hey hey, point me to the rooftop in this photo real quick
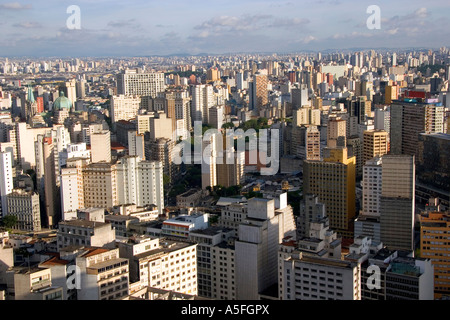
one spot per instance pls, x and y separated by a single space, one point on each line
83 223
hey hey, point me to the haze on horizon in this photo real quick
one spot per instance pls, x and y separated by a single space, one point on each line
141 28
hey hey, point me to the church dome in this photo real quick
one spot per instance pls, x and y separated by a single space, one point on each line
62 102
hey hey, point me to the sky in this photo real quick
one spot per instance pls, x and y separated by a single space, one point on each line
108 28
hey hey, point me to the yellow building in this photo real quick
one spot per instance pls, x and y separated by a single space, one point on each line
375 144
333 181
391 93
435 245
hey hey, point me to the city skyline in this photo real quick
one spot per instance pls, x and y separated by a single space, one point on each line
110 28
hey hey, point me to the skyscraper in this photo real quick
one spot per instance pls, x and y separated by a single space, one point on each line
333 181
6 180
409 117
397 202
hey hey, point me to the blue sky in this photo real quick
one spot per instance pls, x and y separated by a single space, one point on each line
135 28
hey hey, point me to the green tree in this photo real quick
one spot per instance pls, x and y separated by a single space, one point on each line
9 221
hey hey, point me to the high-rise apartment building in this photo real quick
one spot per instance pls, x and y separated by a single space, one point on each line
140 182
202 100
100 185
260 94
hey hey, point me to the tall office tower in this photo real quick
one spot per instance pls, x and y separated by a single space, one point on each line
209 160
104 275
240 81
140 182
256 255
306 115
50 189
372 187
397 202
101 146
69 89
100 185
202 100
434 244
25 206
333 181
216 117
375 144
72 184
81 89
391 93
136 144
359 107
382 118
408 119
336 132
215 249
368 222
310 210
300 97
132 82
124 107
260 94
161 127
433 168
6 180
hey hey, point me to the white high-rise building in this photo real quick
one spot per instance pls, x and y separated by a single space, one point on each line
134 82
124 107
216 117
140 182
72 187
202 99
6 180
372 184
256 253
136 146
101 146
209 161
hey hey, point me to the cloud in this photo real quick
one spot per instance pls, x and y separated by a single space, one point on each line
14 6
232 23
28 25
131 23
